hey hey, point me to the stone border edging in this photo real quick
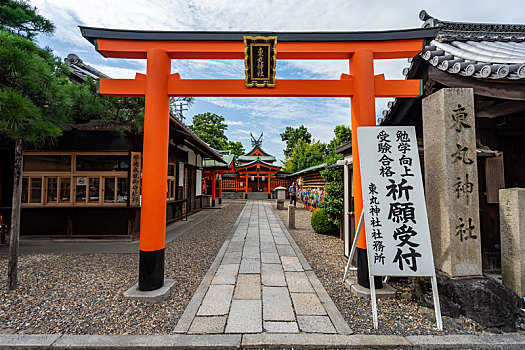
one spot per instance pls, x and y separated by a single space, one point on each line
184 323
263 340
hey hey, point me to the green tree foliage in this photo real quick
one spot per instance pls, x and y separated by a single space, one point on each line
21 18
211 129
34 100
236 148
333 198
292 136
34 91
37 100
342 135
304 155
92 111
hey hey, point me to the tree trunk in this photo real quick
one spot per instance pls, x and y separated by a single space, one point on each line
12 273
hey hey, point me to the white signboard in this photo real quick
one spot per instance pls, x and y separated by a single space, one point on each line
198 182
396 224
181 174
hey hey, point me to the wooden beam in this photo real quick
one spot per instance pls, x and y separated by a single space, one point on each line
236 88
397 88
501 109
235 49
505 90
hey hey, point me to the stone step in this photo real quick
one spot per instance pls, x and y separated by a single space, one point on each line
257 195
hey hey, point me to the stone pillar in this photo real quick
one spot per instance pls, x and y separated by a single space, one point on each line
451 181
512 237
291 216
280 193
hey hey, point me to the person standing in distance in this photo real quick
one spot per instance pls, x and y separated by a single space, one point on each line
292 192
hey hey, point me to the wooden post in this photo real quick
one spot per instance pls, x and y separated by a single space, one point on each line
220 186
213 188
269 185
12 270
246 188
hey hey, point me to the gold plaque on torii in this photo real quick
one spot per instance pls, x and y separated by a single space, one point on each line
259 59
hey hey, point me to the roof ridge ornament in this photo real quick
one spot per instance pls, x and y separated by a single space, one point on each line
486 28
256 142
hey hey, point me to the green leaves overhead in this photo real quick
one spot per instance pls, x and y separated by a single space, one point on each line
21 18
292 136
211 129
34 91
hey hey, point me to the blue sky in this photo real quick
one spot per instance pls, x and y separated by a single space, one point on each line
268 115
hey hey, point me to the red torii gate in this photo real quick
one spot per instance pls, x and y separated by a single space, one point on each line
159 48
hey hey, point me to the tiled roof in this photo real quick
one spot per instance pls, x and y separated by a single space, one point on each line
252 158
80 70
473 50
315 167
478 50
227 156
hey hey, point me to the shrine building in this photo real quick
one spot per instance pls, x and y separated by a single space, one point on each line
252 175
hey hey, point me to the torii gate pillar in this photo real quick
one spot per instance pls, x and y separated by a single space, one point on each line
155 171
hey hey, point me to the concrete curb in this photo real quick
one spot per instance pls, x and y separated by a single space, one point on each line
193 306
325 341
263 340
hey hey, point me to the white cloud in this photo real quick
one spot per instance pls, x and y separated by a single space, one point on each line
270 115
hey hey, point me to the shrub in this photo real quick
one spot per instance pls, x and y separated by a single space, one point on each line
322 224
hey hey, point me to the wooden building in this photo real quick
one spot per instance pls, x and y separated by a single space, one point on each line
490 59
310 186
88 183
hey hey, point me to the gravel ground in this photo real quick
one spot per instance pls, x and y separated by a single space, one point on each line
82 294
401 316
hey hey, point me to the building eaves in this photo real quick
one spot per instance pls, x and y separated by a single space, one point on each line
343 148
315 167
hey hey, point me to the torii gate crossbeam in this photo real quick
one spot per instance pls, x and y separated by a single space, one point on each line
159 48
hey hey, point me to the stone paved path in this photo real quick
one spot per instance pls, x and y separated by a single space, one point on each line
261 282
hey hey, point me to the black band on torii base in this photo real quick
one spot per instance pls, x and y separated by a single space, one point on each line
220 200
363 278
151 269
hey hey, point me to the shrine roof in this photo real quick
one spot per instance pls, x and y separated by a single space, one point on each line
80 71
92 34
252 158
257 148
489 56
478 50
258 161
227 156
